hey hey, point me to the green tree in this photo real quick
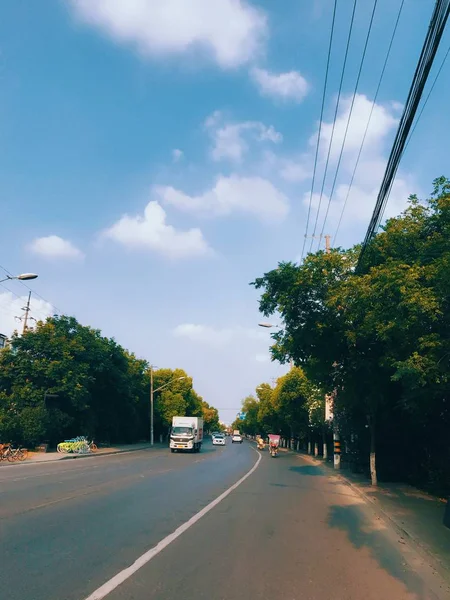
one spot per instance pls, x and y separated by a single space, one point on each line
379 336
210 417
64 379
268 418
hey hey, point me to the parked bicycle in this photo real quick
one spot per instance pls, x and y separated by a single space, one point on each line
77 445
7 452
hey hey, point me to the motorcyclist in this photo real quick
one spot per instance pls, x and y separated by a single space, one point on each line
260 443
273 444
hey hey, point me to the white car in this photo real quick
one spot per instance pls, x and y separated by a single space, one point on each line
236 439
219 440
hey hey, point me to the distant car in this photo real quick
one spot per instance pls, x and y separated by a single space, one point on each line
236 439
219 440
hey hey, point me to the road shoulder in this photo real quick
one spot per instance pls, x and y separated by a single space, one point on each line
414 515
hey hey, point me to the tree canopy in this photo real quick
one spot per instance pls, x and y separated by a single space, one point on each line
64 379
378 336
283 409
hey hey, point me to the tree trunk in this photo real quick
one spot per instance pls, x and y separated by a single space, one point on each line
373 463
324 444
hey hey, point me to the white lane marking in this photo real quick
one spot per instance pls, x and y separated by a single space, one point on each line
122 576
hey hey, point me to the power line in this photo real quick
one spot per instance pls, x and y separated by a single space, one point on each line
320 125
369 120
427 98
425 62
361 64
334 122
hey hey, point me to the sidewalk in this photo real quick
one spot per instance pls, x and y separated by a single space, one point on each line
416 514
53 456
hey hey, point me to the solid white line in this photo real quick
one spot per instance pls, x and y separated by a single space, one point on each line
118 579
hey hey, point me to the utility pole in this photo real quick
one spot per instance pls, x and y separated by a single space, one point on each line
336 435
152 394
26 316
151 405
27 310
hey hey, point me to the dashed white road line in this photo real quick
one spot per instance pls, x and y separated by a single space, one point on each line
122 576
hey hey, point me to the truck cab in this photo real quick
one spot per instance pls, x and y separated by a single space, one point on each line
186 434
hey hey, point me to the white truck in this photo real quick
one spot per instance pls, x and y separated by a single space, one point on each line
186 434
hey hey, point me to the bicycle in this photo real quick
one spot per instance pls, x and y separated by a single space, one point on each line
77 445
11 454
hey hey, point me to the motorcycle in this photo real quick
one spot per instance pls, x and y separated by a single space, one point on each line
274 442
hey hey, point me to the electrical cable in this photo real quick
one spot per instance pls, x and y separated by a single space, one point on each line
334 123
432 39
320 126
348 120
426 99
368 122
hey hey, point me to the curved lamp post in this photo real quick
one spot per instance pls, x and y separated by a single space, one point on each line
152 393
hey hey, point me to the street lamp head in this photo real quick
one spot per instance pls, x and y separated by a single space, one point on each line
22 277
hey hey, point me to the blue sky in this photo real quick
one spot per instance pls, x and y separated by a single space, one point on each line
155 157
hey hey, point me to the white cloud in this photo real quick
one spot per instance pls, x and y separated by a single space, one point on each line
212 336
233 194
54 246
151 232
290 86
232 31
369 174
360 203
177 155
295 170
11 307
231 140
397 106
382 123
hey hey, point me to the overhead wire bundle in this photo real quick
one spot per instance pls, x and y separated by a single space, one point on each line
361 64
375 98
320 125
425 62
334 124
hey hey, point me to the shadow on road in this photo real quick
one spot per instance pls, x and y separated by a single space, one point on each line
308 470
362 534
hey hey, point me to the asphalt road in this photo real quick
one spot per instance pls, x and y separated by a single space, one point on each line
288 531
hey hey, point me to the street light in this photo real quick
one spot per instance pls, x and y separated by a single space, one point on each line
152 393
21 277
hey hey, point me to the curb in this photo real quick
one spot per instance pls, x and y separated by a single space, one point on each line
75 456
386 516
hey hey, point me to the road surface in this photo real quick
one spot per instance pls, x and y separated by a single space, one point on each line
288 531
